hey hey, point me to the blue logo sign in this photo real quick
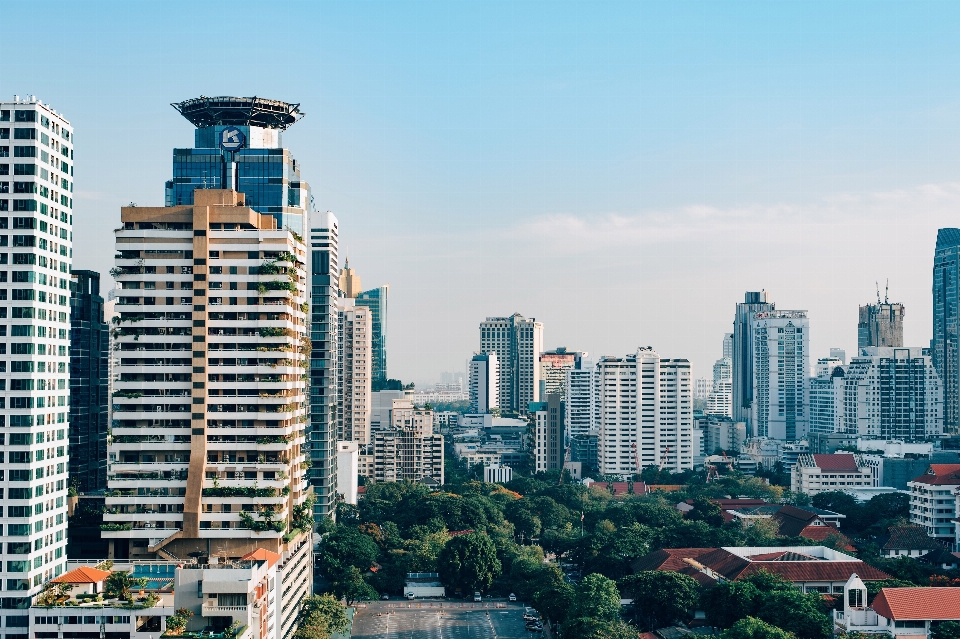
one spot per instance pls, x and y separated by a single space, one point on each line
231 139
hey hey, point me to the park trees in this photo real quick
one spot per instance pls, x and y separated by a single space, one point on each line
469 562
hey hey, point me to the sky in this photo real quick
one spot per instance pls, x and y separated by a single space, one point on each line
621 171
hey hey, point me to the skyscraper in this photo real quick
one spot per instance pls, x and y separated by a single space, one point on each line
945 346
580 392
548 433
743 353
89 355
376 300
484 383
553 370
719 401
880 324
238 145
728 346
349 282
36 154
781 386
324 322
210 407
353 373
518 342
408 449
644 413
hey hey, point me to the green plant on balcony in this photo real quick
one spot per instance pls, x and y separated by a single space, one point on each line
271 331
119 584
116 526
268 268
54 593
177 622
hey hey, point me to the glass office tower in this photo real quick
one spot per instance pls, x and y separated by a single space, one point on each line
376 300
945 345
238 145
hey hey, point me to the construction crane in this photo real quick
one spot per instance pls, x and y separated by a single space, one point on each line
636 456
663 457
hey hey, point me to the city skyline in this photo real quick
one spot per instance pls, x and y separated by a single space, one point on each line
790 175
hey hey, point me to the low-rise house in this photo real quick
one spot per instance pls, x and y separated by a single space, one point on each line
815 474
907 541
933 502
901 612
811 568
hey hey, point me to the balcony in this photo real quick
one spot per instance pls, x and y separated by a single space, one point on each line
211 609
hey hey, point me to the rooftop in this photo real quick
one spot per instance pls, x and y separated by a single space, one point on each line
226 110
915 604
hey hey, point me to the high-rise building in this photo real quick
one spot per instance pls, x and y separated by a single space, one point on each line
553 370
892 393
781 386
945 344
743 354
349 281
484 383
36 154
324 323
408 449
353 372
702 387
825 366
880 324
348 470
826 397
728 346
720 400
517 341
840 354
238 146
89 381
376 300
579 404
644 413
549 437
207 454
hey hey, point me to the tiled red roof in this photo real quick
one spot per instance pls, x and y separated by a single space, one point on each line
816 570
83 575
821 533
914 604
837 461
671 559
909 538
942 474
792 520
622 487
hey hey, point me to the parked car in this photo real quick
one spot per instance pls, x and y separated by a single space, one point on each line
410 595
511 597
535 627
385 597
476 596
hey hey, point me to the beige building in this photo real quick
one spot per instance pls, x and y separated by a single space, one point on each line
548 448
206 453
517 342
813 474
350 284
408 449
354 370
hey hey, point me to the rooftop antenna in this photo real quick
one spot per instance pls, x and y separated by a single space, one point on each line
886 293
878 293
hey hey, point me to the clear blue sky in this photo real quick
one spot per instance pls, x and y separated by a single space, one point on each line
622 171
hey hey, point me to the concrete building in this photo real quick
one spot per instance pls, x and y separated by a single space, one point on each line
348 470
554 366
933 504
349 282
826 365
880 325
549 438
583 450
720 399
382 403
826 398
945 344
497 474
743 354
36 238
897 612
702 387
376 300
644 413
354 372
484 382
408 449
210 407
892 393
839 353
580 398
815 474
518 342
728 346
324 386
89 381
781 387
721 433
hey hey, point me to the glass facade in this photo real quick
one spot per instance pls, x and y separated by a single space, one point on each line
267 174
376 300
945 346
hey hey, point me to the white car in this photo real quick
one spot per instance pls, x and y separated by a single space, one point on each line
410 595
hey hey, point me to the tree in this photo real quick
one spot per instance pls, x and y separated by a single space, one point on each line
344 547
555 601
320 617
753 628
796 612
727 603
348 584
660 598
469 562
119 584
596 597
177 622
706 511
586 628
945 630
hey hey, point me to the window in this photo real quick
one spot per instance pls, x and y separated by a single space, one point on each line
24 134
24 151
25 116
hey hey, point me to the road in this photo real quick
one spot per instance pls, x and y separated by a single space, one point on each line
440 619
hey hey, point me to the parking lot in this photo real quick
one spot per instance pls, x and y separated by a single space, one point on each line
440 619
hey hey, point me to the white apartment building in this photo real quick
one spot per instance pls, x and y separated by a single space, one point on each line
781 388
484 382
207 452
517 342
354 371
644 413
933 501
720 399
408 449
827 406
348 470
580 400
814 474
36 239
497 474
554 366
826 365
892 393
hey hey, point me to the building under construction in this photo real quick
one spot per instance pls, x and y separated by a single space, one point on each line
881 324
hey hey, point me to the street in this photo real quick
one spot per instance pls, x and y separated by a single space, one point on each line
440 619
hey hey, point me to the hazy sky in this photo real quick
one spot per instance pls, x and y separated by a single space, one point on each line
623 172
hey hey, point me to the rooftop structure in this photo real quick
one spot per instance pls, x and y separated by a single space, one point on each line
226 110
